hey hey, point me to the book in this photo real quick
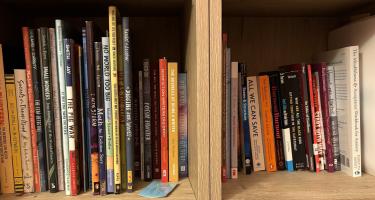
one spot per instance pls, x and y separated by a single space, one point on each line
163 84
30 95
267 123
155 123
182 126
48 117
60 34
136 120
24 129
56 110
113 37
346 65
141 125
240 136
234 121
225 106
228 113
128 85
107 114
14 133
147 120
39 123
92 105
256 136
333 117
173 121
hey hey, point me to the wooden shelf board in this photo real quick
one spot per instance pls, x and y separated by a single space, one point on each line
300 185
183 192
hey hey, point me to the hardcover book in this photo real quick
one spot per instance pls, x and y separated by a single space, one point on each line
234 120
182 125
163 83
147 120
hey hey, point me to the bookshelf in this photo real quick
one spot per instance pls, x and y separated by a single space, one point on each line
178 29
264 35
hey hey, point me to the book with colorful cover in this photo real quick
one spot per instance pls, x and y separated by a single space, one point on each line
182 125
163 83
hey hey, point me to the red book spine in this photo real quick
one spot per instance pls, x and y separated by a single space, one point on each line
163 82
73 172
318 126
312 109
325 113
30 95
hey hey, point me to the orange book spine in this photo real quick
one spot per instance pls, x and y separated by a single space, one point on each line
173 121
30 95
163 82
267 123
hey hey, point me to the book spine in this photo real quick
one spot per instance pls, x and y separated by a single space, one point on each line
87 183
234 120
128 85
48 109
224 107
163 83
240 150
114 93
318 123
30 95
155 123
182 125
267 125
141 124
287 143
107 114
325 114
256 136
69 59
60 34
92 105
136 119
100 117
14 133
173 121
228 113
276 116
56 110
37 88
245 125
147 120
333 117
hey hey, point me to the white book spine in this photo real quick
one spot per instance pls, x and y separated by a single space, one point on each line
234 121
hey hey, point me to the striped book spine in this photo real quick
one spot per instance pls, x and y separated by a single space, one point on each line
113 18
147 120
37 88
182 125
108 114
60 34
30 95
163 82
14 133
173 121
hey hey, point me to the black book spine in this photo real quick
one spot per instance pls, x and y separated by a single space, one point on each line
155 124
100 117
137 140
38 109
48 109
128 85
147 120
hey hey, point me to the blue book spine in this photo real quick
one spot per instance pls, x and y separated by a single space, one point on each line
246 130
182 126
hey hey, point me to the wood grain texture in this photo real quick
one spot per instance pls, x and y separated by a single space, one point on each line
266 43
182 192
300 185
216 76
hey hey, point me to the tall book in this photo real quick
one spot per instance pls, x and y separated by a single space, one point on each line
92 104
136 119
345 62
48 117
24 129
39 123
147 120
155 123
256 136
100 117
173 121
128 85
234 120
70 98
267 123
60 34
107 114
225 106
30 95
141 125
56 109
14 133
228 113
113 37
163 84
182 125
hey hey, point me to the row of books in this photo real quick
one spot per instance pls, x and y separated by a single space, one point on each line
81 117
302 116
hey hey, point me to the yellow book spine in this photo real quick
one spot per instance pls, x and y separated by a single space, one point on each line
14 133
113 15
6 168
173 120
